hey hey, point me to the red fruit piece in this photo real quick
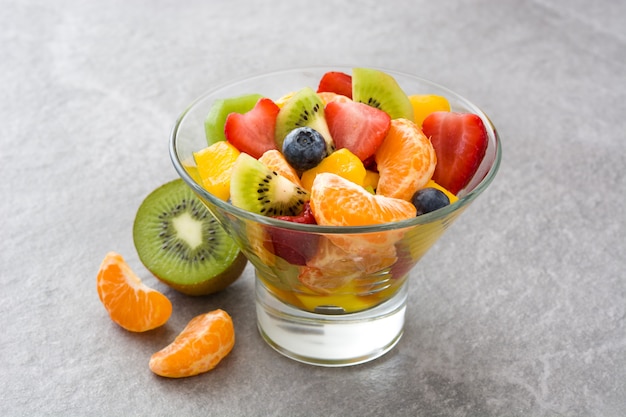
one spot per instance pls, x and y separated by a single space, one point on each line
336 82
294 246
460 142
253 132
357 126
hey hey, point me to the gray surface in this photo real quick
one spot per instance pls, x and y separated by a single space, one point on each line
518 311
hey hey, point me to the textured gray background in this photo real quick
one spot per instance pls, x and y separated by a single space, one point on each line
519 310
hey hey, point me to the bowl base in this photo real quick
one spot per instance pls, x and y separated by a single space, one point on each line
331 340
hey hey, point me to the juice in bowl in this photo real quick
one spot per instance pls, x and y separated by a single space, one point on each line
334 182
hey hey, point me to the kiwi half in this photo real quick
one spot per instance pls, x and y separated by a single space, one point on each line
221 108
256 188
182 244
379 89
303 109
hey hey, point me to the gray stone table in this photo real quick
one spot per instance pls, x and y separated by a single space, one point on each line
519 310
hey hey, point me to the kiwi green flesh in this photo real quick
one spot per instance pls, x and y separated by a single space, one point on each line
256 188
303 109
221 108
182 244
378 89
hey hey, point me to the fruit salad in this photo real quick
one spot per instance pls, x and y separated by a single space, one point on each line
355 150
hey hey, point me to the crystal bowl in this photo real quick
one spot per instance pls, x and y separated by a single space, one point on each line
331 296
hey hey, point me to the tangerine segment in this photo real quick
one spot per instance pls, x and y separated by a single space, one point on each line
130 303
274 160
336 201
327 97
202 344
406 160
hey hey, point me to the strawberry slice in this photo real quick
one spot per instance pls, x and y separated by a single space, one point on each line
336 82
294 246
460 142
357 126
253 132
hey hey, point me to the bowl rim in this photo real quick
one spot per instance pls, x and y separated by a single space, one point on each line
423 219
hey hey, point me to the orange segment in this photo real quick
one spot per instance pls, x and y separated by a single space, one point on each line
202 344
274 160
327 97
130 303
336 201
406 160
215 164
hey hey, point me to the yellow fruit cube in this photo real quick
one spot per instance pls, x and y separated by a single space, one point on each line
341 162
432 184
425 104
214 167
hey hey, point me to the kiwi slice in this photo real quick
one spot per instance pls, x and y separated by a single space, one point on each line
379 89
303 109
221 108
256 188
182 244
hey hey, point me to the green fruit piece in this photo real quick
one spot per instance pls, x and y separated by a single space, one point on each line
379 89
221 108
182 244
303 109
256 188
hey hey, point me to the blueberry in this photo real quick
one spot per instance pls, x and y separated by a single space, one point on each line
429 199
304 148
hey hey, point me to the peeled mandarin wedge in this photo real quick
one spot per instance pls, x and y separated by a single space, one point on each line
405 160
130 303
202 344
336 201
327 97
214 167
274 160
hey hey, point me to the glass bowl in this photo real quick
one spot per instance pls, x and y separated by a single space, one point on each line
330 296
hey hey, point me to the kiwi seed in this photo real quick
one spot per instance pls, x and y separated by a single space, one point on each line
256 188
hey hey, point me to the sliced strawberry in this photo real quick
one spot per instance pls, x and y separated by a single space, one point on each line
305 217
253 132
357 126
460 142
336 82
294 246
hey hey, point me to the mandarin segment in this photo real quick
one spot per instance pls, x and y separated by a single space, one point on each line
129 302
274 160
199 347
406 160
336 201
328 97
